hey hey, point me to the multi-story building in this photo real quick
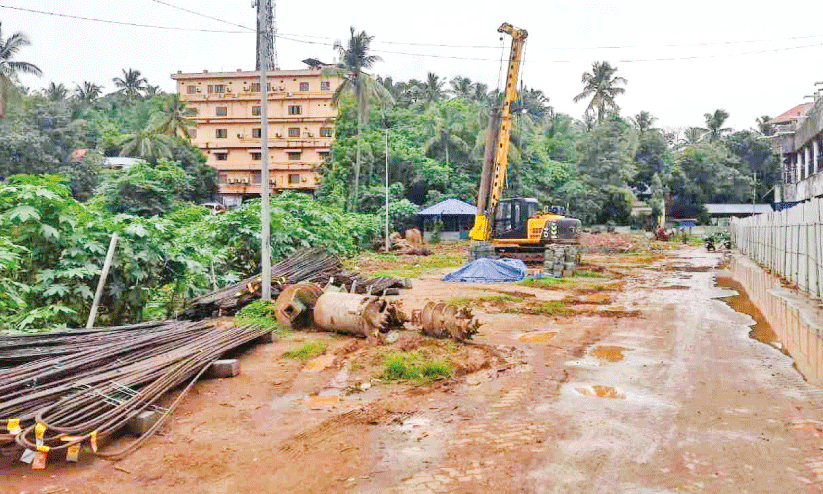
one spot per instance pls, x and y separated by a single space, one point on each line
226 108
798 140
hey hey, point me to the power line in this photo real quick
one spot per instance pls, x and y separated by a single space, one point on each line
203 15
288 37
121 23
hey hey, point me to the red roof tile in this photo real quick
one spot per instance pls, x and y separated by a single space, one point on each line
794 113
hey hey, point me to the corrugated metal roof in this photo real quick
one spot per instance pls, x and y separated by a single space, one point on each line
449 207
738 208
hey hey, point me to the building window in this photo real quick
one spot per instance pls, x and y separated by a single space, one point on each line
221 133
294 178
255 111
221 156
324 155
190 112
192 133
295 110
255 177
325 86
191 89
326 132
256 133
256 156
304 86
219 89
210 89
294 155
221 111
255 87
294 131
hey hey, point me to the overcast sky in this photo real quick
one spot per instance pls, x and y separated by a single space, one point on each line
714 66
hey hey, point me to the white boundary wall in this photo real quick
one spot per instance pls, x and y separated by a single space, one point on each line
789 243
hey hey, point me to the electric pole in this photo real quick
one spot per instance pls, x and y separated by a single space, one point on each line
266 33
263 58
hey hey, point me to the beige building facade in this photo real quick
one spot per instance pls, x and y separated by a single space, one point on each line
226 109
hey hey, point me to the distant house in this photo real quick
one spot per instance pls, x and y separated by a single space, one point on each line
721 214
119 163
457 218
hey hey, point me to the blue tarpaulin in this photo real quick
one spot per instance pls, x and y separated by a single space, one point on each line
489 270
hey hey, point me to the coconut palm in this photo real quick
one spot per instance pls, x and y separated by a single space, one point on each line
433 89
152 90
764 125
149 144
354 60
88 92
644 121
462 87
9 68
56 92
173 120
131 84
534 102
444 130
480 93
714 124
601 85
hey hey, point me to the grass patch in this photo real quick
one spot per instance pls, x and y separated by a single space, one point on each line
261 313
423 264
554 307
473 301
307 351
414 366
547 283
589 274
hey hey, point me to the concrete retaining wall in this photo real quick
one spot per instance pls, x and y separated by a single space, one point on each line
796 318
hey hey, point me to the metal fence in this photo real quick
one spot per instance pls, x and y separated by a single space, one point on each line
788 242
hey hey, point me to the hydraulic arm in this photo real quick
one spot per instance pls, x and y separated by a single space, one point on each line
494 176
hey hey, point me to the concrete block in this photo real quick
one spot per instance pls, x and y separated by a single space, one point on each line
266 338
224 368
142 422
567 273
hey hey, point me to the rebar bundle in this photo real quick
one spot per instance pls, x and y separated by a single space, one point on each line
314 265
82 386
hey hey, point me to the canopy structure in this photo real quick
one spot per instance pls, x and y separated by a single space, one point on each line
489 271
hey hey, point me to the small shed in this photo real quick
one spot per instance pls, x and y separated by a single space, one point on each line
457 218
721 214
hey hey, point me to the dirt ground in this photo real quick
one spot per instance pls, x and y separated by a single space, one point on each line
635 378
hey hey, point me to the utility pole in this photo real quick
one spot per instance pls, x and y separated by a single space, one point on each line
754 189
267 25
265 215
388 244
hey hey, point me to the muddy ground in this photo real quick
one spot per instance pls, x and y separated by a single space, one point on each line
634 378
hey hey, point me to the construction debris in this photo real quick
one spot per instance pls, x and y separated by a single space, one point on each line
294 305
440 320
66 388
306 265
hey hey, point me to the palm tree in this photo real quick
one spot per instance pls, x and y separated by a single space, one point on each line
693 135
354 59
174 121
56 92
444 130
462 87
534 102
644 121
88 92
764 125
152 90
9 68
433 89
481 93
131 84
149 144
601 85
714 124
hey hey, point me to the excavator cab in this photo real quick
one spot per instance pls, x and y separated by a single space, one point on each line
511 220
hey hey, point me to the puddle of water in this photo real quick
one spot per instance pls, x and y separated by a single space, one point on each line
538 337
761 331
608 353
319 364
599 391
321 401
